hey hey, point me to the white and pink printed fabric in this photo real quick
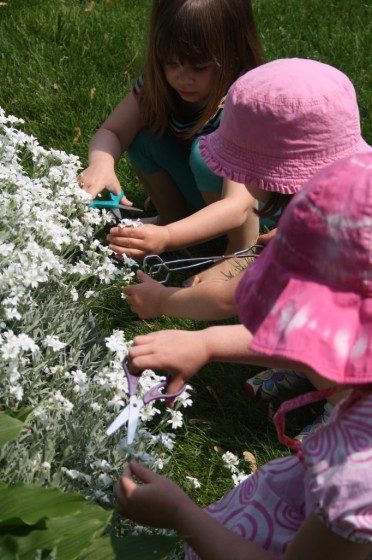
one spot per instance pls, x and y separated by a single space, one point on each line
331 475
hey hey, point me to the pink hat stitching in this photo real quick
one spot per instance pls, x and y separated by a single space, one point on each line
282 122
308 296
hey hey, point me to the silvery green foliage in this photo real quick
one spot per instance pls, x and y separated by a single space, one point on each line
53 355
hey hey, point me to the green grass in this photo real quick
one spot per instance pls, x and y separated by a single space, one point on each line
64 64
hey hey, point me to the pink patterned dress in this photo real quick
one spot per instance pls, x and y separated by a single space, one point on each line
331 475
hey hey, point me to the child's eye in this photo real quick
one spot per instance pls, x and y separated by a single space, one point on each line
202 68
171 64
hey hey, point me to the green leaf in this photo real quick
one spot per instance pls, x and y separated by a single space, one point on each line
67 523
69 535
21 414
10 428
29 504
142 547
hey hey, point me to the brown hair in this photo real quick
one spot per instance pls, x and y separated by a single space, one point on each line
196 31
274 206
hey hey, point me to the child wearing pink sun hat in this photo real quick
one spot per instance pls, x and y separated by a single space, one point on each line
313 308
282 122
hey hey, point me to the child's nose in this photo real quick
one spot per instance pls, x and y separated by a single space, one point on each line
185 76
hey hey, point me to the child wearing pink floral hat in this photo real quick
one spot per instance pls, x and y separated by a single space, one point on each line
283 121
317 316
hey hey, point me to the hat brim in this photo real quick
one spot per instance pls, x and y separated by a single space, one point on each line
293 317
285 175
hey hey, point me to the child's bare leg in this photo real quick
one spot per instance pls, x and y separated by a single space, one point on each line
165 195
238 239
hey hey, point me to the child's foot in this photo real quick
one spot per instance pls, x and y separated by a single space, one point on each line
319 421
222 270
271 383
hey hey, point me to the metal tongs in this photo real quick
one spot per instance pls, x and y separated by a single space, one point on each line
156 267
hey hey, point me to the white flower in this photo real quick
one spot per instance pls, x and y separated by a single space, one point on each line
14 344
105 480
95 407
148 412
194 481
74 294
176 419
126 222
16 391
53 342
185 399
79 377
101 465
116 343
101 496
159 463
77 475
89 293
239 477
167 440
231 461
65 404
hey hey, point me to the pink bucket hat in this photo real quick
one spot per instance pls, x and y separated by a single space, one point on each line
282 122
308 296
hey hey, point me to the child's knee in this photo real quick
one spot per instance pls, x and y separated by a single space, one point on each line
140 153
205 179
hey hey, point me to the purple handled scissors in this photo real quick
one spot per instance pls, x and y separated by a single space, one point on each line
131 412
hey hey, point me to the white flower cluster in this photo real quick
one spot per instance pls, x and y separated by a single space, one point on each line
55 362
231 462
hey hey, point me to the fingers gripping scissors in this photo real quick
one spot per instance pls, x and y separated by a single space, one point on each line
113 204
131 412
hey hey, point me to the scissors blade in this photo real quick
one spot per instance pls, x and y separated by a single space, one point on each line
134 413
129 208
119 421
116 213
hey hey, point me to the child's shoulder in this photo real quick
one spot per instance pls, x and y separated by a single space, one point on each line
347 436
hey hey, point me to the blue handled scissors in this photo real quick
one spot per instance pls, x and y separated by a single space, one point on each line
113 204
131 412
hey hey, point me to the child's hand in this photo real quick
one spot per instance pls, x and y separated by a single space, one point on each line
156 502
180 353
145 298
140 241
98 177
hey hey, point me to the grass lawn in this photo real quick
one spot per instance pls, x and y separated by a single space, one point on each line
64 64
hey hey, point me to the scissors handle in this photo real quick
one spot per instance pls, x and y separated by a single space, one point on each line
156 393
133 380
112 203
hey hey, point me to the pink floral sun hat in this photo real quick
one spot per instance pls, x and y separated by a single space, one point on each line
282 122
308 296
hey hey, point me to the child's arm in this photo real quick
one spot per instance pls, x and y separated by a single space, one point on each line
314 541
207 301
183 353
226 214
158 502
107 145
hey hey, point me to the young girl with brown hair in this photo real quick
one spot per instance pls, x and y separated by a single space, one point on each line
196 50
